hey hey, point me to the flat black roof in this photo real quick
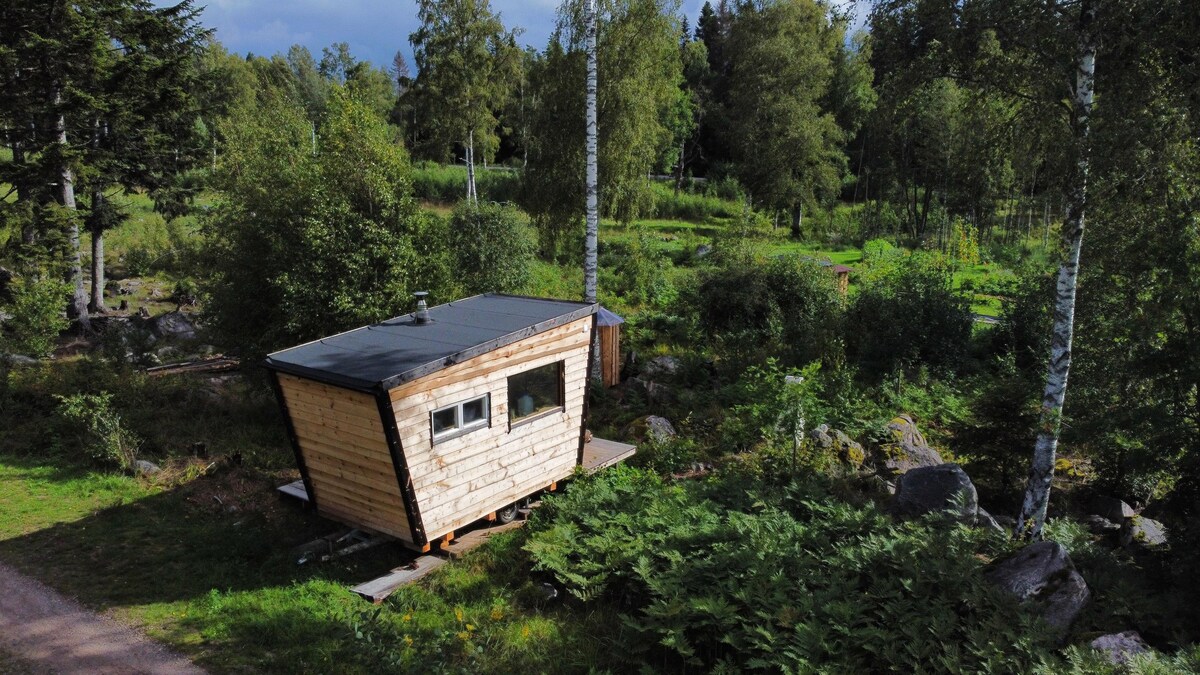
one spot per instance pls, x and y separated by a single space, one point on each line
384 355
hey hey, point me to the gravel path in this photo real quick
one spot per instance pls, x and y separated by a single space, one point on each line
48 633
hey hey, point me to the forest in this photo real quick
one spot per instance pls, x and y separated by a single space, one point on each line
850 262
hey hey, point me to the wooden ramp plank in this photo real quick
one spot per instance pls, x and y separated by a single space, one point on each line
376 590
599 453
459 546
294 489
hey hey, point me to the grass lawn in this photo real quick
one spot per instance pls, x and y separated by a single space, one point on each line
202 559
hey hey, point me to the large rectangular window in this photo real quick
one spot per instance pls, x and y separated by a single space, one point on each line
535 392
455 420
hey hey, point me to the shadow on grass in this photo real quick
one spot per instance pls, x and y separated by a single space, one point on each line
227 532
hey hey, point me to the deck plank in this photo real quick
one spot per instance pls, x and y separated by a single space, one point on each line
599 453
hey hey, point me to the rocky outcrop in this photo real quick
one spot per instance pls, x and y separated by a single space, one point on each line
935 489
173 324
838 444
660 367
1120 647
1111 508
1143 533
651 427
905 448
1043 575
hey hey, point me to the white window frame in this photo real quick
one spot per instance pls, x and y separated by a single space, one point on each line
458 429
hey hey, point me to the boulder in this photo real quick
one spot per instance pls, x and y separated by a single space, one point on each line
660 366
906 448
1100 525
173 324
1120 647
145 468
1042 574
835 442
18 360
651 427
984 520
703 250
1111 508
933 489
1143 533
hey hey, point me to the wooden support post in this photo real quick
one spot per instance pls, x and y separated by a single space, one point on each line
444 542
553 486
491 517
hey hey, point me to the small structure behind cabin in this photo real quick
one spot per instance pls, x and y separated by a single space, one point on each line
421 424
609 326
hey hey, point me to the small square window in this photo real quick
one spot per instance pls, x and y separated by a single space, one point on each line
456 420
445 421
474 412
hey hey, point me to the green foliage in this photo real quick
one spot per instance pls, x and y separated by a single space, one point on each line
444 184
37 316
718 578
774 407
640 270
303 245
492 248
102 434
880 251
685 205
786 306
908 313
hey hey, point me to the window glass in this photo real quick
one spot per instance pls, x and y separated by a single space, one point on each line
445 420
474 412
535 391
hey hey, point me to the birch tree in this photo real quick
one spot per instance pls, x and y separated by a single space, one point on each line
465 63
1041 470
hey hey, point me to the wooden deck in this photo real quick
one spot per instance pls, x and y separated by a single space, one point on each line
599 453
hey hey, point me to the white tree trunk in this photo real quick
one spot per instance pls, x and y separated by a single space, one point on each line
593 188
97 302
77 309
1041 470
472 196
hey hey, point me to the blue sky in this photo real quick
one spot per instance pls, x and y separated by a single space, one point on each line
375 29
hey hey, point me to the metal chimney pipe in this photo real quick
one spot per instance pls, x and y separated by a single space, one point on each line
422 310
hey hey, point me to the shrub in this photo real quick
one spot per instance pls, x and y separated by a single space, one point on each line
101 433
690 206
718 578
447 184
907 314
786 307
37 315
641 270
492 247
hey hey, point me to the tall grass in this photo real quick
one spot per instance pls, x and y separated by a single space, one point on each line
448 183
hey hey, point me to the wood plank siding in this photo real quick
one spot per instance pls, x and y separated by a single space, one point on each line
346 455
462 479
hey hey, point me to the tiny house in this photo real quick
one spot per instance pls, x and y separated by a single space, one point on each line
427 422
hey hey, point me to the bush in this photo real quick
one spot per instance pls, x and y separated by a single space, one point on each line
641 270
715 577
101 433
492 247
785 307
37 315
689 206
908 314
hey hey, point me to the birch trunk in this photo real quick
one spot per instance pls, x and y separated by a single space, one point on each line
96 304
77 309
1041 470
471 167
592 229
797 221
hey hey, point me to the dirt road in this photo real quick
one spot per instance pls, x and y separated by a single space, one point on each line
48 633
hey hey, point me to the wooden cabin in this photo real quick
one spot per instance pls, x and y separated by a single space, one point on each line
427 422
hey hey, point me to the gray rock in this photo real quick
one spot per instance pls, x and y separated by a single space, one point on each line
933 489
1143 533
145 468
703 250
906 448
1007 522
1120 647
1111 508
651 427
1042 574
173 324
1100 525
984 520
834 441
660 366
18 360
